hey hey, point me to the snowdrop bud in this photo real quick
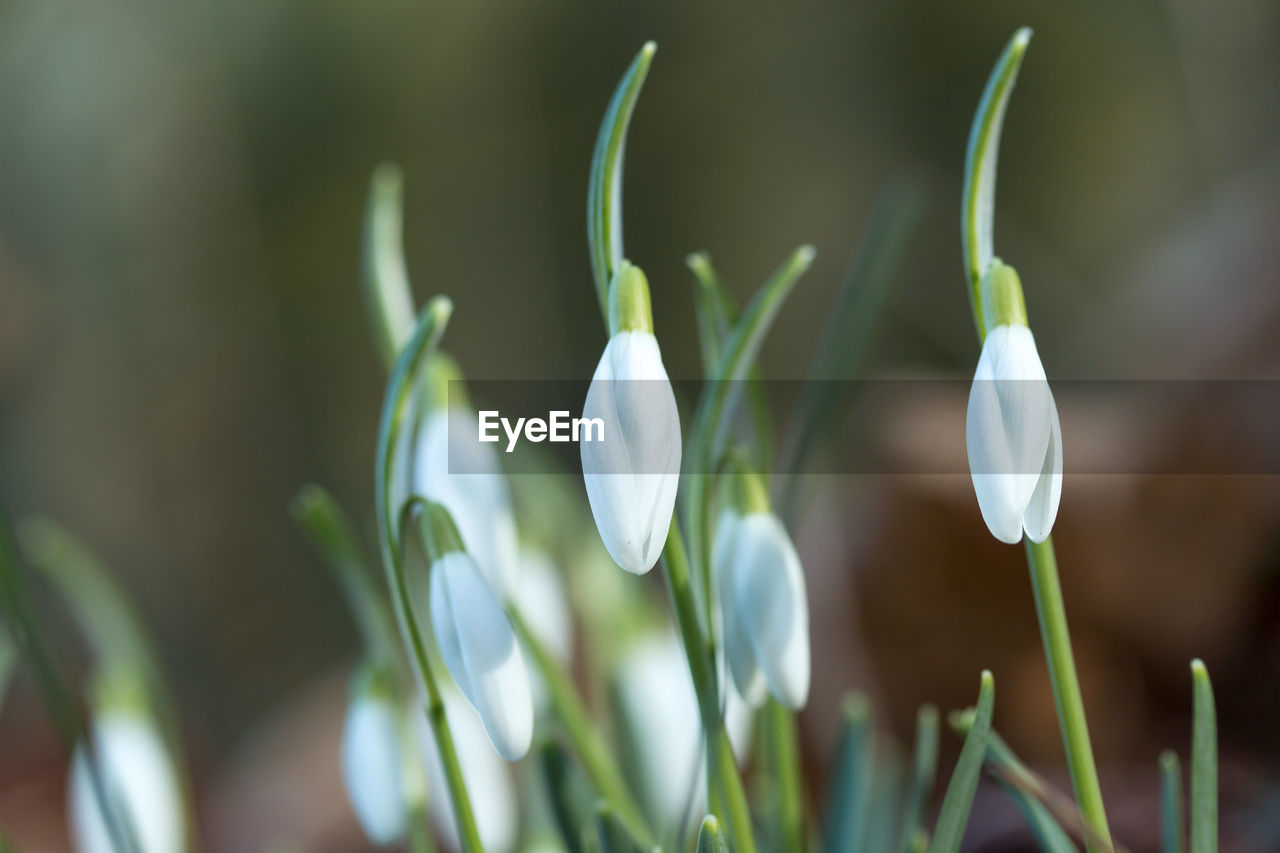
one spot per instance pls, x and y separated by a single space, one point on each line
632 475
468 481
1012 431
372 766
764 605
657 700
140 782
488 780
476 640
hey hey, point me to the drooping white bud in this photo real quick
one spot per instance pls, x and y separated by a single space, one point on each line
1013 437
632 475
372 760
660 709
486 775
480 651
140 783
764 605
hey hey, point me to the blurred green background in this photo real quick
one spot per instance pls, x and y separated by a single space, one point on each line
182 340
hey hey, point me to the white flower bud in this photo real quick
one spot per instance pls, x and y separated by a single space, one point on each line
480 650
486 775
1014 438
661 712
764 607
140 782
470 484
372 763
632 475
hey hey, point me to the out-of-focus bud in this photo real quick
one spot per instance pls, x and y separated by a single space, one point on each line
632 475
465 476
138 781
372 756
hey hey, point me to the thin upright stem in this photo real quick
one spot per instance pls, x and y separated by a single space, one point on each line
722 769
1066 692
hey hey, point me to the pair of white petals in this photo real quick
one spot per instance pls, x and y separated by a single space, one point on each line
139 779
373 768
632 475
1013 437
481 653
764 607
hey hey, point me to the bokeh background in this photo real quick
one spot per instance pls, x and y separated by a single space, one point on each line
182 340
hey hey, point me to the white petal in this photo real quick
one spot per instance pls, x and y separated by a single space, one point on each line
481 652
658 703
1042 511
486 775
372 770
465 477
1007 428
769 592
632 476
747 675
141 782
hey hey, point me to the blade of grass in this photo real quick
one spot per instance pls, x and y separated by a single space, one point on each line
333 537
843 347
958 801
924 769
615 836
978 205
782 768
711 837
566 791
845 818
604 188
1172 831
1204 762
388 298
718 401
716 315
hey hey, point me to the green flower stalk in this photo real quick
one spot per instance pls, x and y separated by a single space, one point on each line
1013 434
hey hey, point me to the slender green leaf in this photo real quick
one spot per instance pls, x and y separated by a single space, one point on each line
577 724
615 835
568 793
956 805
388 297
1204 763
782 768
924 768
711 837
62 710
333 537
849 798
1173 839
720 398
716 315
886 794
842 350
978 206
604 189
